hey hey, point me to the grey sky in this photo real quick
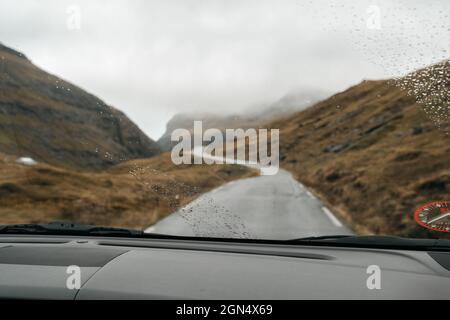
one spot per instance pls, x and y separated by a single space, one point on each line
152 59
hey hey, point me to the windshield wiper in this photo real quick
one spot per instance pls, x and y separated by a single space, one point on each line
65 228
376 242
328 237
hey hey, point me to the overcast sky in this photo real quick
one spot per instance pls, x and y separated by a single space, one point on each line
153 59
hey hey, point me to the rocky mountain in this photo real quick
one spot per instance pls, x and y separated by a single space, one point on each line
288 104
209 120
377 151
251 118
54 121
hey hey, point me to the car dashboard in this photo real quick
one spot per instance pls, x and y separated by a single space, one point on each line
38 267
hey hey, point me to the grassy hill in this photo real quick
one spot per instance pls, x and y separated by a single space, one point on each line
376 151
132 194
53 121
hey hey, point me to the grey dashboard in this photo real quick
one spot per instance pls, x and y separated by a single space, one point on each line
36 267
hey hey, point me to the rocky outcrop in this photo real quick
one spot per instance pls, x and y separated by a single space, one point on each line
54 121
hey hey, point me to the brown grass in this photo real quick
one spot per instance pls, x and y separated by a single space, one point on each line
372 154
133 194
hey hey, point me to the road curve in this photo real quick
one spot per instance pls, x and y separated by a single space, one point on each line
264 207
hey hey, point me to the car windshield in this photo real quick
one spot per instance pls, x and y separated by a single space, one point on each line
230 119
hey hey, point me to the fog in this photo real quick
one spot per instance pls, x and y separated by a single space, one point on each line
153 59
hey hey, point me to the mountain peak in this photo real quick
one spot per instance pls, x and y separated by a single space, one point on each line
11 51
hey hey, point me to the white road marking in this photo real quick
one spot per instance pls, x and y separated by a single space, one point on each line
310 195
150 230
295 189
331 216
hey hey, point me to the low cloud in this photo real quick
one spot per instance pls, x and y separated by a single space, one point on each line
153 59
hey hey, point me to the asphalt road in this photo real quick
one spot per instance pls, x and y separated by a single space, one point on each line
264 207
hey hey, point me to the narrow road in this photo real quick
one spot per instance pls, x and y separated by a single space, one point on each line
264 207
